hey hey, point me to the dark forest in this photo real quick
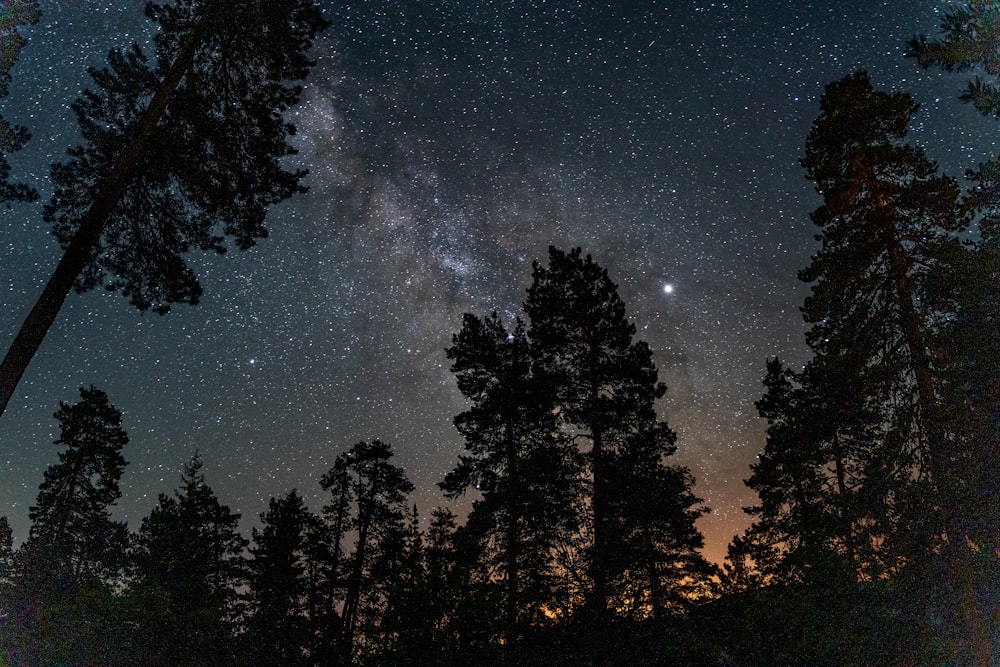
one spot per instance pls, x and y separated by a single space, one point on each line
876 536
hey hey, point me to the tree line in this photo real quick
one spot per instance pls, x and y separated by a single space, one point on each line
875 538
578 519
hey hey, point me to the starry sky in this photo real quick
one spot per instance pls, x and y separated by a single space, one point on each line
449 143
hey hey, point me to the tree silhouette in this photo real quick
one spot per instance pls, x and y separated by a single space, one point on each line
282 591
857 479
655 511
807 478
368 497
429 634
6 556
75 553
189 563
71 525
887 219
525 470
604 385
405 630
180 156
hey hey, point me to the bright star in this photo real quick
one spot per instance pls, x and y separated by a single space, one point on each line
668 289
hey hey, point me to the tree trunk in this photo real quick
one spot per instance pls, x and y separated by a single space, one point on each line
512 538
840 468
352 599
599 561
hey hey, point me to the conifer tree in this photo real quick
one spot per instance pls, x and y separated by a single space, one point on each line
604 385
887 219
406 629
856 437
6 556
369 498
6 585
743 571
656 510
60 593
179 156
526 472
188 566
807 478
857 479
71 525
445 576
417 625
282 584
337 516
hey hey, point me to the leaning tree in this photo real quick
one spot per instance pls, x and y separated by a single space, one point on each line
184 154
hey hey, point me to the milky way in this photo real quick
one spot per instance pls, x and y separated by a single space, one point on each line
449 143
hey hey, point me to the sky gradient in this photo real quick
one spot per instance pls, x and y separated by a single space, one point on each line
449 144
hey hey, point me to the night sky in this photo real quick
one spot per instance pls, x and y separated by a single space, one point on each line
449 143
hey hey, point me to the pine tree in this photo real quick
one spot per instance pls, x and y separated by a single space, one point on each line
188 567
604 385
526 473
656 511
886 220
7 574
743 571
71 525
806 479
60 594
6 557
283 595
406 629
856 481
368 497
337 518
180 156
443 585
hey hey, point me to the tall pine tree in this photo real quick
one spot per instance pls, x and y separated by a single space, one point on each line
282 581
604 386
178 156
526 472
857 479
71 525
189 565
809 479
368 497
64 575
887 219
